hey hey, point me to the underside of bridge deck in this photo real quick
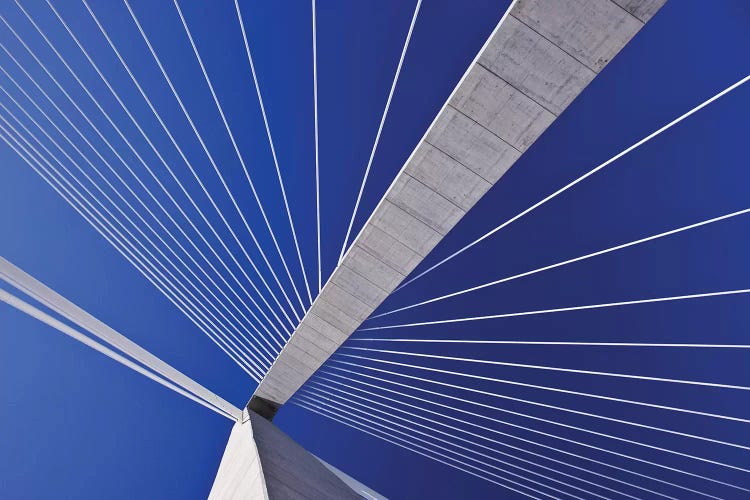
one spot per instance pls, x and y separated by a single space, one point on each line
540 57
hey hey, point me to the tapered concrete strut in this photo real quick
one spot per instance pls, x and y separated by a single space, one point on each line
538 60
261 462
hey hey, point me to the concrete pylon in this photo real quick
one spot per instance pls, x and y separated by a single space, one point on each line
261 462
541 56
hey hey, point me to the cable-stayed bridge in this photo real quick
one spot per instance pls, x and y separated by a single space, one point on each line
244 282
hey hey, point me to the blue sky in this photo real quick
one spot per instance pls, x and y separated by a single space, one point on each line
76 425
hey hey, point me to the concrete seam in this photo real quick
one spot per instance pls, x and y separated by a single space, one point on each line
643 23
428 187
363 249
432 124
518 90
556 45
418 252
343 264
485 128
457 161
416 216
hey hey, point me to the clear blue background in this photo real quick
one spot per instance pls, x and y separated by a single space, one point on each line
73 424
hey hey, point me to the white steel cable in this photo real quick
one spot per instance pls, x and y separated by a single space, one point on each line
313 397
577 412
184 158
380 128
579 179
127 253
529 429
558 369
317 158
244 167
135 176
65 136
400 408
278 173
565 309
185 113
226 410
92 196
37 290
575 259
146 137
581 429
372 431
96 102
555 343
332 416
493 420
318 392
627 401
135 260
339 408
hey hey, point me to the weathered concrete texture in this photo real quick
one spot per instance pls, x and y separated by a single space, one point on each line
576 27
261 462
536 63
642 9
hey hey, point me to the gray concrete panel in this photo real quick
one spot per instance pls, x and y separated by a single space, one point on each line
387 249
302 364
424 203
535 66
592 31
410 231
335 316
472 145
324 328
285 377
359 286
373 269
541 57
313 341
345 301
277 387
496 105
642 9
305 356
446 176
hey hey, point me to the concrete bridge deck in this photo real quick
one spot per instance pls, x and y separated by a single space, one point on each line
540 57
